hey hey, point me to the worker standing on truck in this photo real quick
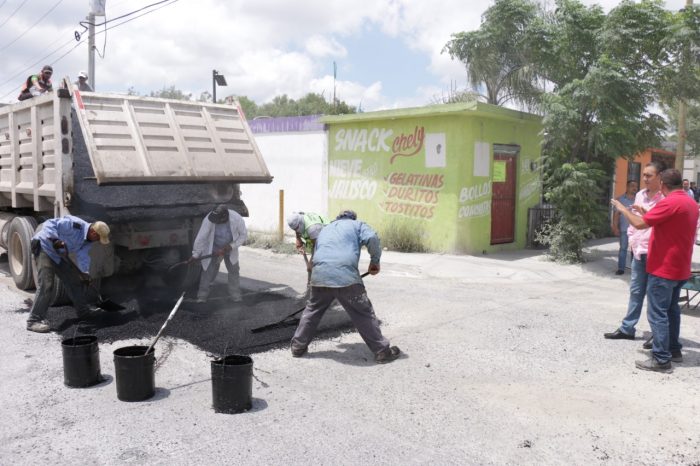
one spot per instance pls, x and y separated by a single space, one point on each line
335 276
82 83
51 246
37 84
222 232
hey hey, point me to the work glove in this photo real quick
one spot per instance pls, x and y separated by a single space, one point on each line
373 269
58 244
191 260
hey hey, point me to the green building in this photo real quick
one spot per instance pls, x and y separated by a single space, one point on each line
463 174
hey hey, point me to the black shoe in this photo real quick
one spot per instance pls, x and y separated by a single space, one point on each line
676 356
649 343
619 272
387 355
618 335
652 364
299 351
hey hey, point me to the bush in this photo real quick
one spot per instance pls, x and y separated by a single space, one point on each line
403 236
262 241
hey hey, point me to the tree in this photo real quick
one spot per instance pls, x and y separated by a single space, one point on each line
171 93
692 124
495 55
310 104
604 71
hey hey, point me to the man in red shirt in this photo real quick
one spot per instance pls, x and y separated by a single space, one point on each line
673 222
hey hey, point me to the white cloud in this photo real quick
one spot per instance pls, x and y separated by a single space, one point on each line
264 48
320 47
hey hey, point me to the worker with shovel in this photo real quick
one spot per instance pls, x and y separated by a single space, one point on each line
307 226
50 247
335 275
222 232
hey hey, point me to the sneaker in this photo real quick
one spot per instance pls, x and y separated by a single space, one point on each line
236 298
619 272
676 356
39 326
649 343
387 355
652 364
299 351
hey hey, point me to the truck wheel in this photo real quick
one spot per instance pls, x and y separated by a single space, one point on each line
19 251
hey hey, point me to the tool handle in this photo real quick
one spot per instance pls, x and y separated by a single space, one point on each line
165 324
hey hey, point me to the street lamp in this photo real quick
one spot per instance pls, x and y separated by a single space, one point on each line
217 79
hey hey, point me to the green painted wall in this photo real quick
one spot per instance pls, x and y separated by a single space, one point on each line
431 168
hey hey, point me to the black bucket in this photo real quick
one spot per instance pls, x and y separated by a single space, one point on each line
232 384
135 373
81 361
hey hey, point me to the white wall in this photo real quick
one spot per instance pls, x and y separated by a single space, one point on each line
297 161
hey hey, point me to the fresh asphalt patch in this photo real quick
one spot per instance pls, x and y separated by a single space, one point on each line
218 326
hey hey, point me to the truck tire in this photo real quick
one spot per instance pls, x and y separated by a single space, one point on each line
19 251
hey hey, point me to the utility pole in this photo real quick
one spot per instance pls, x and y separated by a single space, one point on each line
682 112
91 50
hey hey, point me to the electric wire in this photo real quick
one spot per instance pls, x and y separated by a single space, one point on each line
32 26
164 4
13 13
3 3
84 23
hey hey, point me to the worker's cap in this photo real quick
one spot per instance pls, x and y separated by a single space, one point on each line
48 68
82 75
219 214
349 214
295 220
101 229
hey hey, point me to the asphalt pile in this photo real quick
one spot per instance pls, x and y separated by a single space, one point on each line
218 327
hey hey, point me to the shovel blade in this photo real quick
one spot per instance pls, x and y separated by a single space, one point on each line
110 306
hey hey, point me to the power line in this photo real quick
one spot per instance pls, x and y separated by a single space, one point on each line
84 23
81 42
32 26
13 13
3 3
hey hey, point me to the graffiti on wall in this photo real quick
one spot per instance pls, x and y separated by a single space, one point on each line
413 195
351 180
475 200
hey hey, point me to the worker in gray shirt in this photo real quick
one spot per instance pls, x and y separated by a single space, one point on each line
335 275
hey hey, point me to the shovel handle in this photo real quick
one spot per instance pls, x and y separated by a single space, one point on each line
165 324
196 259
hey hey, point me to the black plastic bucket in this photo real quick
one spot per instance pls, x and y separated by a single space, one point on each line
81 361
135 373
232 384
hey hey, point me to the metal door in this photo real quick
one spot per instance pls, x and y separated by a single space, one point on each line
503 194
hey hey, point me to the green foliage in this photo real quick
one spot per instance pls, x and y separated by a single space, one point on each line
171 93
574 189
283 105
403 236
692 124
495 55
262 241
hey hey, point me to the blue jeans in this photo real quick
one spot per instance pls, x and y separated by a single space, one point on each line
664 315
638 289
622 256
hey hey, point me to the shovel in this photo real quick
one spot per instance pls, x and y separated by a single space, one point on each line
106 304
196 259
284 322
165 324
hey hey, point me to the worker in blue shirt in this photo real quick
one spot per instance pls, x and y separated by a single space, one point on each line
51 246
335 275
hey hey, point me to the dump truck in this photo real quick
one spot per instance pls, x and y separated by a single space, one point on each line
150 168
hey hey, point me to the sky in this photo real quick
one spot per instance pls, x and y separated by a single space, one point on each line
388 53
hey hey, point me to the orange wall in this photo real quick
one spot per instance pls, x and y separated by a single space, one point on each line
643 158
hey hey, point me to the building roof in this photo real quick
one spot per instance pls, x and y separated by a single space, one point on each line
463 108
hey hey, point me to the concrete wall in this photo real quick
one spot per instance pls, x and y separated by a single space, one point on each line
297 161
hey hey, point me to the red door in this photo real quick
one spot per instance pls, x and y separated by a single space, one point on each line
503 198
